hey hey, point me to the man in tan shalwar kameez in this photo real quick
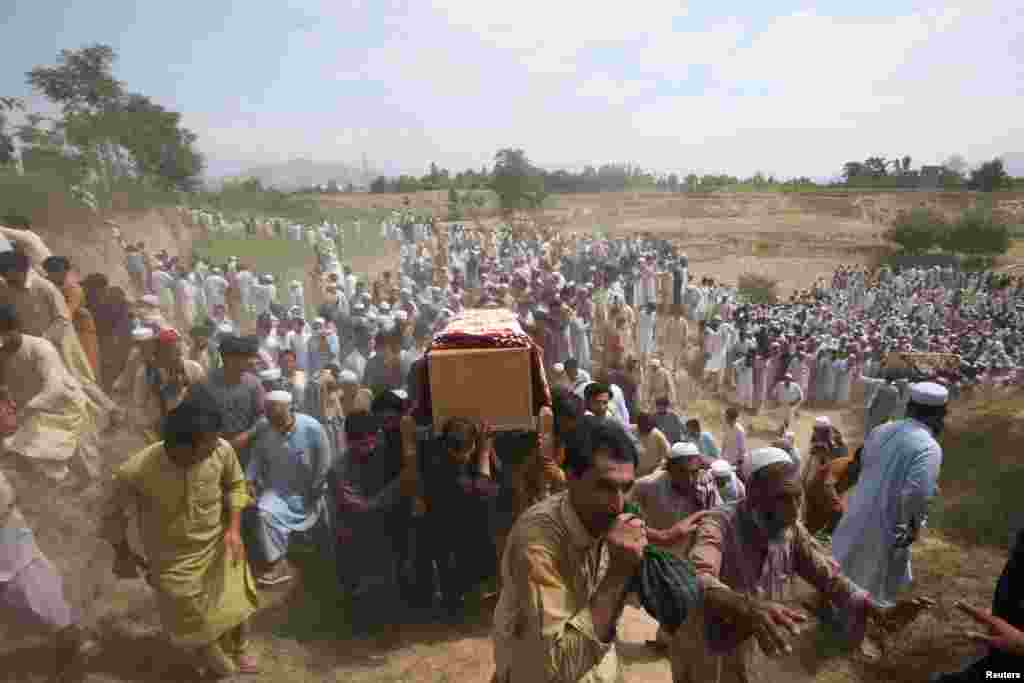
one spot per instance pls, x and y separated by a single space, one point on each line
43 312
57 423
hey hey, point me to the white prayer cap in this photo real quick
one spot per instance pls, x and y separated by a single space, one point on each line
143 333
279 397
928 394
558 367
151 300
348 377
763 457
270 374
385 306
683 449
721 468
822 421
401 393
654 363
225 329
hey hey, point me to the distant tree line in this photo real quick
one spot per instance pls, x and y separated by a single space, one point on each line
897 173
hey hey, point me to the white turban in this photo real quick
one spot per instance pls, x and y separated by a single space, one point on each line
348 377
683 449
270 374
279 397
763 457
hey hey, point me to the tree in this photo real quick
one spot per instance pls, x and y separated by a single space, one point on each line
853 169
518 184
956 164
332 186
692 182
989 177
7 104
380 185
876 166
978 233
906 163
114 132
673 182
917 231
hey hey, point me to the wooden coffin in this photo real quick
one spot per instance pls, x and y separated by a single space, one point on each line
494 385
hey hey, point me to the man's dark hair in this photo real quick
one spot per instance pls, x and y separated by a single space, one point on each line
932 416
693 425
387 403
594 436
458 434
14 261
596 389
571 364
56 264
198 413
564 405
9 318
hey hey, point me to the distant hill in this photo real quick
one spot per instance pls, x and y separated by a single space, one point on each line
299 173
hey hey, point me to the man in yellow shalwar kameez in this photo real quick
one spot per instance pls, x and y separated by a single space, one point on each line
195 560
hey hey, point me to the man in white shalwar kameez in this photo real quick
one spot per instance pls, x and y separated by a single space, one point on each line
889 506
715 351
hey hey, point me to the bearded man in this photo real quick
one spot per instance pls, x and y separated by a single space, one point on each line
747 555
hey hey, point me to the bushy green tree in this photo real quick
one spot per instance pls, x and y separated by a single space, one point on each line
990 176
117 134
918 230
977 233
517 182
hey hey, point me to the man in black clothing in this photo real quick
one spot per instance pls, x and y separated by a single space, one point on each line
1004 626
458 469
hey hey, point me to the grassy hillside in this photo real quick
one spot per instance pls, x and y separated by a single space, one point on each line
982 472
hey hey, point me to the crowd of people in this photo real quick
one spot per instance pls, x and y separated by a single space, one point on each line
268 418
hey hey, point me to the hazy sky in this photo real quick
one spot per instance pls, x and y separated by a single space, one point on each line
784 87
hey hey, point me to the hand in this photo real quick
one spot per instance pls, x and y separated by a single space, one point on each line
895 618
233 541
626 542
683 528
770 623
1001 635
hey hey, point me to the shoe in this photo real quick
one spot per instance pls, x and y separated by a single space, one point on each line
276 575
